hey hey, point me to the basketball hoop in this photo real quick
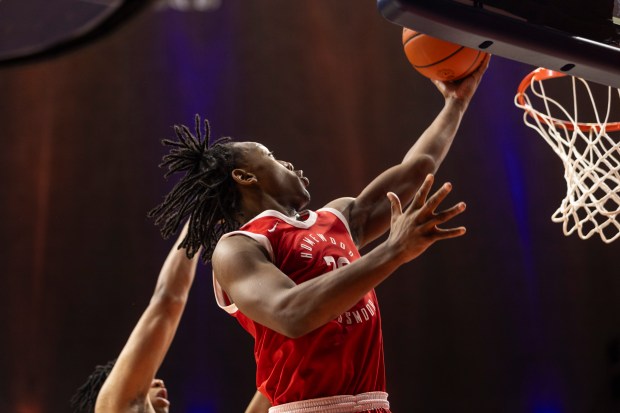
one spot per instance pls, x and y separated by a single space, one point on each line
588 145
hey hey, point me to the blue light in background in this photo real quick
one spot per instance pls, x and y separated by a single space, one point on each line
200 409
507 149
543 386
197 59
547 408
196 81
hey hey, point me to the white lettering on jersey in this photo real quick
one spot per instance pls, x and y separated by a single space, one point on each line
362 315
310 240
331 261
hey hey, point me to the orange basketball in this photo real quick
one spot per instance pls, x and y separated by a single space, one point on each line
438 59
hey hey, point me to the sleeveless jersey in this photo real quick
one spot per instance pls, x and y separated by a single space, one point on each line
344 356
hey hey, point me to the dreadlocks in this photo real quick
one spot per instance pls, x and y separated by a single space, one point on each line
206 193
83 401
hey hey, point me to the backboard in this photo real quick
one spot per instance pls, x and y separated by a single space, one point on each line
576 37
37 29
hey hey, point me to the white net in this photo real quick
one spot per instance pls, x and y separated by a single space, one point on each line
590 151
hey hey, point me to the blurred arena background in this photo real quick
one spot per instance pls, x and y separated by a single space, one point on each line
513 317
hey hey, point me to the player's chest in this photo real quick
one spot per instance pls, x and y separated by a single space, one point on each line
305 254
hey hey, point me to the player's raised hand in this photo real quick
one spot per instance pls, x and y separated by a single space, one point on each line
416 228
466 87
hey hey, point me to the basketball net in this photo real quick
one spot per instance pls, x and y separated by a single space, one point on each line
589 152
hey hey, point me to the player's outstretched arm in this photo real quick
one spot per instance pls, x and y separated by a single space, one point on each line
369 218
266 295
127 387
258 404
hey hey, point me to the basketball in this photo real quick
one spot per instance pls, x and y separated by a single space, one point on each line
438 59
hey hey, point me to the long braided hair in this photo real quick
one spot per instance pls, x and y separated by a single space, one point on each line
206 193
85 397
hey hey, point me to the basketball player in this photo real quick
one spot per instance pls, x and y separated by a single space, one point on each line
294 278
128 384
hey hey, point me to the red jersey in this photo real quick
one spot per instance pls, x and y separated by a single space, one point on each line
344 356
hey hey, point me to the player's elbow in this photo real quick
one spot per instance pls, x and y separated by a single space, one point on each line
289 332
294 330
288 324
295 321
424 164
289 312
169 301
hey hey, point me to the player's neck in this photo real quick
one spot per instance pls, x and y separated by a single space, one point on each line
249 213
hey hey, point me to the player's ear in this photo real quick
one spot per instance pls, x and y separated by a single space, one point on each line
242 177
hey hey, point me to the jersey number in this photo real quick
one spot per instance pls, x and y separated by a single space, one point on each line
331 262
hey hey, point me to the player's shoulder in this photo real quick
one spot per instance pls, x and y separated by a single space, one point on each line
237 255
350 213
341 204
235 242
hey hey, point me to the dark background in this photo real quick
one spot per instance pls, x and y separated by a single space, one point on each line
513 317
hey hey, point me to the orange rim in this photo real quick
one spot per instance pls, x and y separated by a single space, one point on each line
541 74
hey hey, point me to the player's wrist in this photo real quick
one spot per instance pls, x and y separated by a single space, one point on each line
394 252
457 103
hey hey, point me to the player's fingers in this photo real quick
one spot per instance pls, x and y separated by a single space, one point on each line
437 198
420 196
395 205
449 233
484 64
449 213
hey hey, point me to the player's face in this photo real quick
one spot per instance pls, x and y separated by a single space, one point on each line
158 395
277 179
